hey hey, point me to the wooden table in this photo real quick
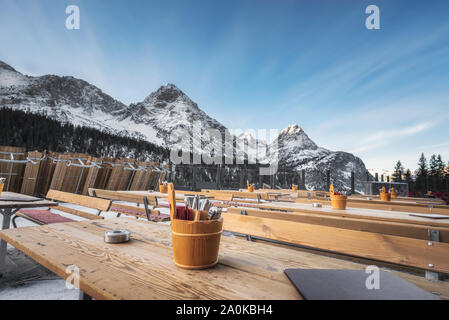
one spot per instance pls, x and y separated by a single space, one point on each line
143 268
10 203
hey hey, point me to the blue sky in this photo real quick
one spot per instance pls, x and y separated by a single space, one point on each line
381 94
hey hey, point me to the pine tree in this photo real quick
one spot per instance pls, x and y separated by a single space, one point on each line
422 166
398 171
433 166
421 183
408 179
440 165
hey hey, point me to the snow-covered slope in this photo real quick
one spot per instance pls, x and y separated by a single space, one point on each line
66 99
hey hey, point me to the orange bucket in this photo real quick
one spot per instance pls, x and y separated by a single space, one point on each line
196 243
294 188
250 188
384 196
1 188
163 188
393 193
338 201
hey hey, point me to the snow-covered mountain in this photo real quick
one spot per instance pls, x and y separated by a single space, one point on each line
173 116
297 150
165 113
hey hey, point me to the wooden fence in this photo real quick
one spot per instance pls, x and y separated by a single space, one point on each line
34 172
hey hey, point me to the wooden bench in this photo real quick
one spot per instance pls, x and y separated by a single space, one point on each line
404 245
42 217
402 228
146 200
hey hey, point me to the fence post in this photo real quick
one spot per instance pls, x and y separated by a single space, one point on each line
194 175
303 179
217 178
352 182
328 179
376 177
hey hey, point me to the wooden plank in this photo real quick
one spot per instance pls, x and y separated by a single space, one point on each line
380 215
387 206
91 177
237 194
140 269
79 213
12 200
59 172
46 174
119 177
16 169
24 216
415 231
74 176
393 249
139 212
90 202
123 196
31 174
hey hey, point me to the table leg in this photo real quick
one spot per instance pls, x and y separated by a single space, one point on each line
5 225
84 296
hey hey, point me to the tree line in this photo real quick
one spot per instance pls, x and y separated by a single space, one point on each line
39 132
432 175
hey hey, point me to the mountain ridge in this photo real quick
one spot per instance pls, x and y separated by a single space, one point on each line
163 115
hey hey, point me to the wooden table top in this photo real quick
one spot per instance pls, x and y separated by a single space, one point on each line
12 200
143 268
307 207
373 214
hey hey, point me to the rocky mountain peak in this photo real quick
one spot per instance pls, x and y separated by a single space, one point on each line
168 94
4 66
294 137
291 129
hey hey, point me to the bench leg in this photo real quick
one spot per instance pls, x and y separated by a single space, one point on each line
5 225
14 221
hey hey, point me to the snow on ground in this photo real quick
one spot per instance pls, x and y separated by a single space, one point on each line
11 78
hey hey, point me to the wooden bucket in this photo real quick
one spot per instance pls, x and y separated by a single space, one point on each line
385 196
338 201
163 188
250 188
196 243
393 194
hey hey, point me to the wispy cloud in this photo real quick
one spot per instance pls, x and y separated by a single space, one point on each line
384 137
